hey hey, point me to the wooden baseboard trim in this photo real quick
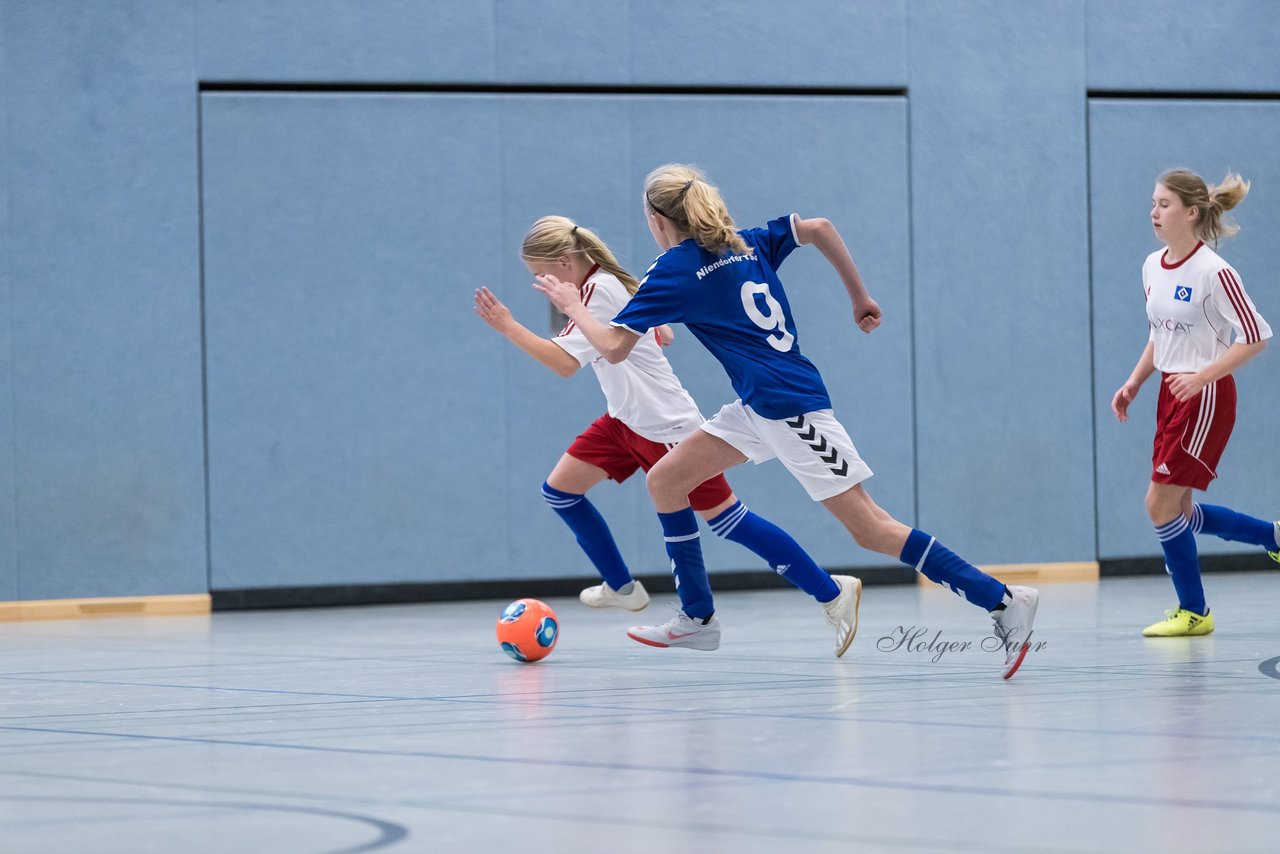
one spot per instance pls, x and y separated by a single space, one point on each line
182 605
1038 573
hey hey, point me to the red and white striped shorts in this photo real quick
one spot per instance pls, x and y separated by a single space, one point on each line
1191 435
613 446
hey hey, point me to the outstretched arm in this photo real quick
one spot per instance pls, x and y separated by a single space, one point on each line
612 342
497 315
822 234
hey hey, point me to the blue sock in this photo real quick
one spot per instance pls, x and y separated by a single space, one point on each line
1183 562
1229 525
942 566
592 532
784 554
684 547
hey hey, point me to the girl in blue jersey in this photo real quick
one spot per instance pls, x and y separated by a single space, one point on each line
648 412
722 283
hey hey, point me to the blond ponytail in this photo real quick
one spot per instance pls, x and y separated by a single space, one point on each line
681 194
1223 197
554 237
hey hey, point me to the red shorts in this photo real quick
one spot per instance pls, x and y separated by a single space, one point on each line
1191 435
619 450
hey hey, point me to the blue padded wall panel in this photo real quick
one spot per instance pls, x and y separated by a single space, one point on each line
999 207
103 221
330 461
345 40
355 413
8 496
1184 45
844 159
566 155
556 41
1130 144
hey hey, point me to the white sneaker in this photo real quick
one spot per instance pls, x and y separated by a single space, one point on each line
604 596
842 611
1013 626
680 630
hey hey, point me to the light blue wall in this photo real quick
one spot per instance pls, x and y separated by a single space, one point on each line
105 314
1130 144
1000 225
8 493
1184 45
345 40
654 42
345 233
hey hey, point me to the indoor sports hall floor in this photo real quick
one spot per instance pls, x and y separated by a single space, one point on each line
405 728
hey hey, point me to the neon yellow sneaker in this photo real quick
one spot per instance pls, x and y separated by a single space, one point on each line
1275 555
1180 623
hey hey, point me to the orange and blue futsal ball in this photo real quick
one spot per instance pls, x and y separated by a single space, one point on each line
528 630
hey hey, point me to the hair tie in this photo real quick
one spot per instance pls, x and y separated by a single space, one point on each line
656 209
574 231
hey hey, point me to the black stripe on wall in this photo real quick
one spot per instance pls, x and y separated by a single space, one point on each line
460 591
1256 562
457 591
547 88
1181 95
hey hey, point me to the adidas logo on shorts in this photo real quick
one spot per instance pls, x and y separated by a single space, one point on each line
1162 469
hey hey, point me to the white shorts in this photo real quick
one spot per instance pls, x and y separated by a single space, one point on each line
813 447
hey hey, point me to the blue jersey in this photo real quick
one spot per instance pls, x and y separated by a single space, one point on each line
735 305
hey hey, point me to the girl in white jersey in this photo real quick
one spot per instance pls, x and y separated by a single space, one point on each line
648 412
1196 305
722 283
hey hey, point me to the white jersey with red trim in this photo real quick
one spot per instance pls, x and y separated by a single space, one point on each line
1193 307
642 391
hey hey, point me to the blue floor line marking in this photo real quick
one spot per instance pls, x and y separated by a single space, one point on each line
774 776
499 700
389 833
